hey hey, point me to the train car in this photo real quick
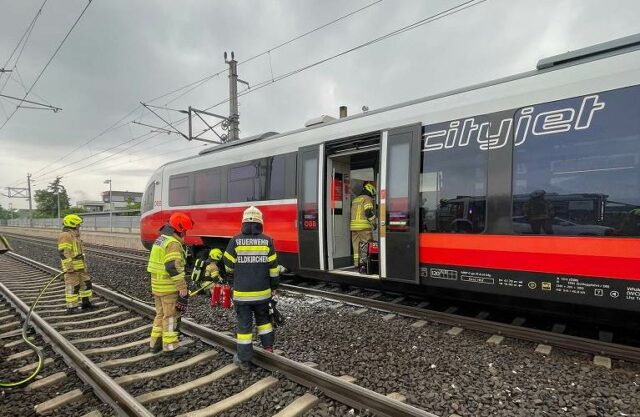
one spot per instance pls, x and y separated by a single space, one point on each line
527 186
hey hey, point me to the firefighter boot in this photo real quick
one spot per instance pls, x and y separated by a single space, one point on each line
86 304
157 347
179 351
72 310
244 366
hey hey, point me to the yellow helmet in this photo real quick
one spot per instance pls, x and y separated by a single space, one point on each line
72 220
215 254
370 188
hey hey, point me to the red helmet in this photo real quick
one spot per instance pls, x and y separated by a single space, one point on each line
180 222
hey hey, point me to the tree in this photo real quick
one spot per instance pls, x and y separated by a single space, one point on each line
131 204
73 210
7 214
47 200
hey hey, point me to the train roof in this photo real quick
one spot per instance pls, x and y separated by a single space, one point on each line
570 58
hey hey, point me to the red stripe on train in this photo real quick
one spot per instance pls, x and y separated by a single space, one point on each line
279 223
592 256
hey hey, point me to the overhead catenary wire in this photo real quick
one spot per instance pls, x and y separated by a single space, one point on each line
27 34
49 61
196 84
421 22
440 15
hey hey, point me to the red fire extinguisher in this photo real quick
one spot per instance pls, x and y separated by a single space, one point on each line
226 296
216 293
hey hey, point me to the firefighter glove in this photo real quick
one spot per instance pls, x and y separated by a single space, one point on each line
182 303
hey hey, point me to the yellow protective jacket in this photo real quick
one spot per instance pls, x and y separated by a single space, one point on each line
211 271
70 249
362 215
166 265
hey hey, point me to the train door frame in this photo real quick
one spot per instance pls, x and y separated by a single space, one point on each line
399 230
311 254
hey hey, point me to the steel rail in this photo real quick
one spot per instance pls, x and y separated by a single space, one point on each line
333 387
576 343
104 387
88 247
581 344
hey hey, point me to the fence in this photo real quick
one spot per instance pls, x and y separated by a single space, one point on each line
97 223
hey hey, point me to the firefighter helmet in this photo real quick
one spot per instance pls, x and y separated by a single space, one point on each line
180 222
215 254
72 220
252 215
371 189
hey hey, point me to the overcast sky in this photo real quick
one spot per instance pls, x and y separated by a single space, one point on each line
123 52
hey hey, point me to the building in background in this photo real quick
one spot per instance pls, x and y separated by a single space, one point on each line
121 200
91 206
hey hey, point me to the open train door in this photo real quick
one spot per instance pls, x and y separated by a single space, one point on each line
310 207
399 208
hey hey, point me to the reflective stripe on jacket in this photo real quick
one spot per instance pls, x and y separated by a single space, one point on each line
166 250
362 215
70 249
252 259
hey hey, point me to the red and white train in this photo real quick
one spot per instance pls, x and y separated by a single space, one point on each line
526 186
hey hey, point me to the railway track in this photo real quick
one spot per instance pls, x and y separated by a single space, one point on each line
600 345
107 347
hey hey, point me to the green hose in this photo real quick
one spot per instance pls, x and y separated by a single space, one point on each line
35 348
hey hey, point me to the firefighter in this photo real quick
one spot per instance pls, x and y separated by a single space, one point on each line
251 262
166 265
77 283
363 219
215 270
539 213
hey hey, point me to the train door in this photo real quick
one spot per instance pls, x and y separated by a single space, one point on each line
399 208
338 212
310 208
350 164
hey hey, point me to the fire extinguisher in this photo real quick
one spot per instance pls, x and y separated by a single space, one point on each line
216 293
226 296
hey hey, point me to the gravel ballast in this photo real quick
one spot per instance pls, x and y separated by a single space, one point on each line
438 372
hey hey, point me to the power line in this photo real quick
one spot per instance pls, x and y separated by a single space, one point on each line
199 83
196 84
49 62
440 15
26 33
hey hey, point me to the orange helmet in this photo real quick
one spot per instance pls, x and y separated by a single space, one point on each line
180 222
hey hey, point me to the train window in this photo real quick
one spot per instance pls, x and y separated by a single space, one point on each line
244 184
208 186
453 179
577 168
179 190
277 178
147 201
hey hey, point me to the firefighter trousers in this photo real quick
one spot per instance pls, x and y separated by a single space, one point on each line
244 336
77 286
165 325
358 236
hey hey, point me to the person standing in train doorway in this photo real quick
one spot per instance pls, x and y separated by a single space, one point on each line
169 288
363 219
77 283
251 263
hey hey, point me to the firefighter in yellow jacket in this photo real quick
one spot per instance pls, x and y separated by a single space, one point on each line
166 265
77 283
363 219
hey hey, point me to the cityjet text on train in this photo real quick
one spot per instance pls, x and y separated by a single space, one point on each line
494 134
